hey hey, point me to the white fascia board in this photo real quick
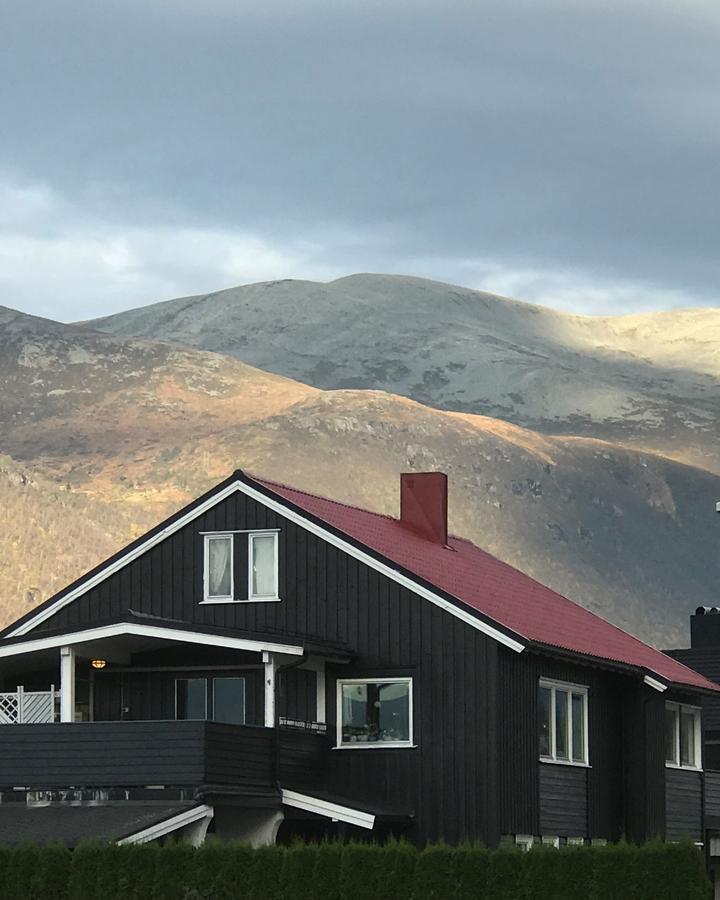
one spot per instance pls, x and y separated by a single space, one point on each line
298 519
327 809
654 683
151 631
188 817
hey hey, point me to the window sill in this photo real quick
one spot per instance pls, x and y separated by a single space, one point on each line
216 600
565 762
683 768
376 745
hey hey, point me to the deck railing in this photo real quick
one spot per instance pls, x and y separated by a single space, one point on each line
23 707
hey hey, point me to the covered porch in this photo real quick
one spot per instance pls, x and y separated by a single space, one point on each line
149 669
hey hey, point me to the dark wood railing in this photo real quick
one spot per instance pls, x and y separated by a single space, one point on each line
129 754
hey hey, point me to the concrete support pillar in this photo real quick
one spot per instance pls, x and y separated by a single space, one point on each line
67 684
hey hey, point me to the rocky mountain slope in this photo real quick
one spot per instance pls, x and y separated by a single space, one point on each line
121 431
649 381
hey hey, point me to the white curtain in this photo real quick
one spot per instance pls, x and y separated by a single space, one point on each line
219 567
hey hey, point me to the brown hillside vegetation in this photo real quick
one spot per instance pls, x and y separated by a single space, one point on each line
148 426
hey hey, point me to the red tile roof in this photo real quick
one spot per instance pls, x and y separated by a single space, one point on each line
529 610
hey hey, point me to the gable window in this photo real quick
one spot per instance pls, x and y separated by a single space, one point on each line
373 712
263 568
563 722
219 567
683 736
216 699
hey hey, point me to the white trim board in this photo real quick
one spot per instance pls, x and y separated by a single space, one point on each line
160 829
655 684
297 519
151 631
327 809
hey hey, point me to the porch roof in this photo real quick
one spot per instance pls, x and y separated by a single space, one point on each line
142 631
123 821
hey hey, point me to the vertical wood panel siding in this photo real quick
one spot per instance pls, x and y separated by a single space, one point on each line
519 779
449 780
684 805
563 800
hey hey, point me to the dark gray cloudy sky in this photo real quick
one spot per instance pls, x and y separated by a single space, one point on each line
561 151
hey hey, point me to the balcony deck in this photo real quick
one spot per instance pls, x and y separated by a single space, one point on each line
141 753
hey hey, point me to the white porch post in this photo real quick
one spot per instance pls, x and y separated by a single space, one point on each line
67 684
320 693
270 669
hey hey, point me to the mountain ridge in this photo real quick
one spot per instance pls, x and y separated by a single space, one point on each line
143 426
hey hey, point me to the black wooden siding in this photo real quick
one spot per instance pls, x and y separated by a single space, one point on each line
684 793
520 811
712 794
563 800
135 754
448 780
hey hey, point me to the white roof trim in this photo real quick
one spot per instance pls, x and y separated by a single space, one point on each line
151 631
187 817
298 519
327 809
655 684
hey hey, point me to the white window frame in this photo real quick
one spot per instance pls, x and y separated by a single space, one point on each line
263 598
524 841
576 842
372 745
696 711
582 689
207 596
550 841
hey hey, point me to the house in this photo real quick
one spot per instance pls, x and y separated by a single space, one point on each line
704 656
267 663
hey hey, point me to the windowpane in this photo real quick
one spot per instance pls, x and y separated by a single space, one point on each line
191 698
687 738
544 722
670 735
375 712
578 727
264 576
561 724
219 566
229 700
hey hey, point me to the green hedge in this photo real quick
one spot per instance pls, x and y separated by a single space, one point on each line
355 871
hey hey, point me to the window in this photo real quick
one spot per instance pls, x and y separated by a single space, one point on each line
221 555
550 841
217 699
263 574
683 736
524 841
374 712
219 567
563 722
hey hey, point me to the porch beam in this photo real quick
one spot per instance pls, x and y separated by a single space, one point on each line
67 684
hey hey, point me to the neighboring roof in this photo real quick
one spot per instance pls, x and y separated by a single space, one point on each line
70 824
460 577
484 583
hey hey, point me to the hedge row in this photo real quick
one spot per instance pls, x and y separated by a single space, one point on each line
353 871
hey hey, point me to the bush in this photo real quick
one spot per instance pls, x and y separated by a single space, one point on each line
435 874
472 872
355 871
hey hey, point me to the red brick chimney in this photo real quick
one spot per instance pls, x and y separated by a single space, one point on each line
424 504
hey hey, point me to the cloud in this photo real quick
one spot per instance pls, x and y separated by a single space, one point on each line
564 148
